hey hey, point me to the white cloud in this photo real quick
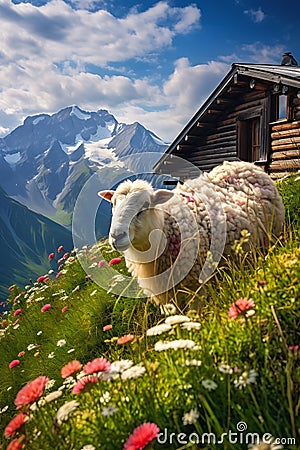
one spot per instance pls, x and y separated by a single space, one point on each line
256 15
45 60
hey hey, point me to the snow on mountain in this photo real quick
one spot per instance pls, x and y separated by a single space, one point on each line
45 162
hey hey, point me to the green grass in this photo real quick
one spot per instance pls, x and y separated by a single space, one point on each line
174 382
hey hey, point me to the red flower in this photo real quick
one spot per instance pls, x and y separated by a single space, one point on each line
14 363
11 288
83 383
101 263
66 255
15 424
16 444
97 365
126 338
58 274
114 261
51 256
240 306
31 391
42 278
107 327
70 368
22 353
60 248
46 307
64 309
141 436
17 312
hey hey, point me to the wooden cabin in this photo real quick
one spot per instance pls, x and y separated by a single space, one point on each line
253 115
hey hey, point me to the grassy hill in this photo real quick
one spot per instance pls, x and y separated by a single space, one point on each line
220 377
25 240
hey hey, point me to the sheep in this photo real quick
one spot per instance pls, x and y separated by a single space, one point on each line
169 236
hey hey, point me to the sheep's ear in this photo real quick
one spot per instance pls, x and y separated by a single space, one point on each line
107 195
161 196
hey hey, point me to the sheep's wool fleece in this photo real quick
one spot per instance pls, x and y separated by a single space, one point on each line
248 199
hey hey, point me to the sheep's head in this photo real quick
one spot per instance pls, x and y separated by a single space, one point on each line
135 213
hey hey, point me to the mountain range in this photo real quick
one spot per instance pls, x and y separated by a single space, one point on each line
44 164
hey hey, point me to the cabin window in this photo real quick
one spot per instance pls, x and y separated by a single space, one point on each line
282 107
249 136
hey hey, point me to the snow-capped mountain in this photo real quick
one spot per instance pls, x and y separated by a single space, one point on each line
45 162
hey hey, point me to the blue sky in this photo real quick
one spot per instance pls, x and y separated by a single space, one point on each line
151 62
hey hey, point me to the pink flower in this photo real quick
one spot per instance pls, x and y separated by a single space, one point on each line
60 248
51 256
15 424
14 363
16 444
126 338
17 312
141 436
58 274
11 288
66 255
114 261
240 306
46 307
64 309
84 384
31 391
107 327
101 263
42 278
70 368
22 353
97 365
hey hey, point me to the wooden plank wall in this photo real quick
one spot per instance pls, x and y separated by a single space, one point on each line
220 141
285 144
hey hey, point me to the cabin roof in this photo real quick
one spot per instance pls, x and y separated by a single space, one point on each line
273 74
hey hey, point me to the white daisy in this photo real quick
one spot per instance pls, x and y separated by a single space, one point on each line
133 372
210 385
64 411
120 366
191 417
159 329
245 379
50 384
105 397
61 343
191 326
225 368
31 347
52 396
174 345
109 410
193 362
51 355
88 447
172 320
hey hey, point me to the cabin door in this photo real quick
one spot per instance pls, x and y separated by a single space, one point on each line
249 133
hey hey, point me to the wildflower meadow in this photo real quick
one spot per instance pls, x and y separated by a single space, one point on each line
84 369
